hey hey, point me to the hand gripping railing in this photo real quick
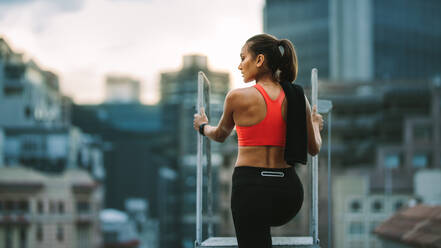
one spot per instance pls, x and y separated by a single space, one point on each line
286 242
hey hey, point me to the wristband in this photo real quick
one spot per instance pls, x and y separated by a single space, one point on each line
201 128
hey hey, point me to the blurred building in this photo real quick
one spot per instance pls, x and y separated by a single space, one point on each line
40 210
2 144
118 230
52 170
138 157
138 212
360 40
178 102
122 89
379 147
418 226
29 95
358 210
54 150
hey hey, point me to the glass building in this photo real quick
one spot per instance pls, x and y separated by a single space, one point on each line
360 40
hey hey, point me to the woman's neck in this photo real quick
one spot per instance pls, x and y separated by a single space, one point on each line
266 79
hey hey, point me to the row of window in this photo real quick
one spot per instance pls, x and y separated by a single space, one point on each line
54 207
59 233
377 206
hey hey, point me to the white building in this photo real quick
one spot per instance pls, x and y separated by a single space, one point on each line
29 95
118 230
39 210
120 89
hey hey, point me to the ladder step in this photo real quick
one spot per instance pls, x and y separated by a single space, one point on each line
280 242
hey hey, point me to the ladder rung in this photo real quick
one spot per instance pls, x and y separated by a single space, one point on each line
280 242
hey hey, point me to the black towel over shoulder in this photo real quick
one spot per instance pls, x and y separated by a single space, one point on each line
296 133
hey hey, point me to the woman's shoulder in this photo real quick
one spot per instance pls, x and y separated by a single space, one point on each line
241 94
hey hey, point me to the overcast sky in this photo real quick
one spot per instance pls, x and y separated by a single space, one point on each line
83 40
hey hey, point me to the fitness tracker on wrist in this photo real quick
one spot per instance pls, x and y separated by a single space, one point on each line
201 128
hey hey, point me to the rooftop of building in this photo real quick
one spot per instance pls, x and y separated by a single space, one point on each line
418 226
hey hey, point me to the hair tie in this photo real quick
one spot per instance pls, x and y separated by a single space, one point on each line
281 49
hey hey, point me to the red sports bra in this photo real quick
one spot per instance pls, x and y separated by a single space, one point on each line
270 131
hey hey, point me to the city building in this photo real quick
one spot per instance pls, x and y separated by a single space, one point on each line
139 213
118 230
29 95
51 172
139 158
54 150
416 226
122 89
360 40
41 210
178 103
372 190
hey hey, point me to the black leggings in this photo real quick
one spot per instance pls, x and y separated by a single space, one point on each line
262 198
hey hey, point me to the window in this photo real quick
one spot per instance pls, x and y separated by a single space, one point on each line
40 207
9 206
392 161
39 232
52 208
23 237
60 233
355 206
398 204
61 207
356 227
377 206
8 236
23 206
83 207
420 160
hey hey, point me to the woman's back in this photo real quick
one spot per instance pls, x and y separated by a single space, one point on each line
249 111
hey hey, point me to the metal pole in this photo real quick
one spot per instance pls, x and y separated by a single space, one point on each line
314 219
209 171
329 183
199 165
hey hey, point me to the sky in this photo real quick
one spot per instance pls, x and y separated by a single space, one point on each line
84 40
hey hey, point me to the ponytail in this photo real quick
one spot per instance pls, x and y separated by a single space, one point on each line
288 61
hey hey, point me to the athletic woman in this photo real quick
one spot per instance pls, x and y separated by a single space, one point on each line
266 190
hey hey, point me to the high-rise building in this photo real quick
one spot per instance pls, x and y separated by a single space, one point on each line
52 172
360 40
122 89
29 95
178 102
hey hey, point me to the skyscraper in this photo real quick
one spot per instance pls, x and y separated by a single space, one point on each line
178 101
360 40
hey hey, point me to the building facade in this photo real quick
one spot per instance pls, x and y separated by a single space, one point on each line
178 103
360 40
29 95
48 211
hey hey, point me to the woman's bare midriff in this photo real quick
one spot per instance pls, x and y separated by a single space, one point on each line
261 156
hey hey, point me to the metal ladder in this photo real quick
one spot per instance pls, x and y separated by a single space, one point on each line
324 106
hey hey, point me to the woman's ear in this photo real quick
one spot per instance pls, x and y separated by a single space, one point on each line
259 60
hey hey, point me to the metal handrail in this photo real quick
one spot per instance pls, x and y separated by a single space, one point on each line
203 99
203 91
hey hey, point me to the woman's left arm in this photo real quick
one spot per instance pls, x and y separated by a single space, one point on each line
226 124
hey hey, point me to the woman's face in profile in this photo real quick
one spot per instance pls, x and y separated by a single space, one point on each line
247 65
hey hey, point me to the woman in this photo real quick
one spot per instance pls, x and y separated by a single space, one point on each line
266 190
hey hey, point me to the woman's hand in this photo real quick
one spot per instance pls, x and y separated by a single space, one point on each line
317 118
199 119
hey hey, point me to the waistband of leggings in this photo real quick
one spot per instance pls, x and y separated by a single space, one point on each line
258 170
243 175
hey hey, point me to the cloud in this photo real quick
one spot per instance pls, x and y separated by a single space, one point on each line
137 37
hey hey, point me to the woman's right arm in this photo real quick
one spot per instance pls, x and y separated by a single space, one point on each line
314 124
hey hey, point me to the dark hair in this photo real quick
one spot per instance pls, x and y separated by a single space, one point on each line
280 55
